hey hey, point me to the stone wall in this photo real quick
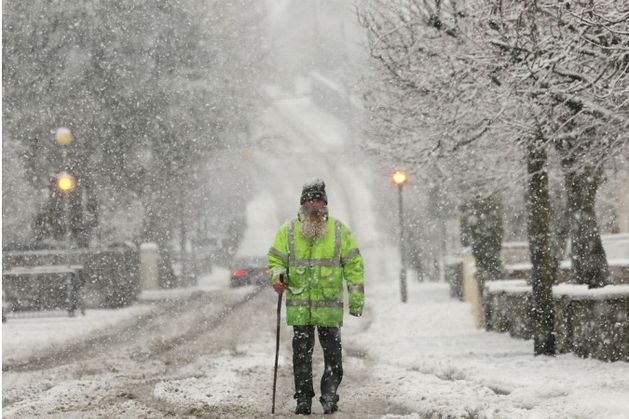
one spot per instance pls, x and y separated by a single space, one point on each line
588 322
110 275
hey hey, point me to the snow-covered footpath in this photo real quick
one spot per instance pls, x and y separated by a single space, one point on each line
450 367
427 350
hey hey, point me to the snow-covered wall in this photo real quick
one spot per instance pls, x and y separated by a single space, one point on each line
589 322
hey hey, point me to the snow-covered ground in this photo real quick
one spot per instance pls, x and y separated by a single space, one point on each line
34 332
28 334
427 349
425 356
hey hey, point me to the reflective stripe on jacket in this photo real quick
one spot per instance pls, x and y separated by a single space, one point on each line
316 269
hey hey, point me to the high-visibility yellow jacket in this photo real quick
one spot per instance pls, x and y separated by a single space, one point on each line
316 270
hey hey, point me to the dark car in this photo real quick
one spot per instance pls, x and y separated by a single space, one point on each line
249 270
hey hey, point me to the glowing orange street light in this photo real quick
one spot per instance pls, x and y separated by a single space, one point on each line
65 182
399 177
63 136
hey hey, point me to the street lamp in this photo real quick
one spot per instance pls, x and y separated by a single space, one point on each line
65 182
399 178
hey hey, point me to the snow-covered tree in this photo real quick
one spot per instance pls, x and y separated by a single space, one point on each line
484 89
148 89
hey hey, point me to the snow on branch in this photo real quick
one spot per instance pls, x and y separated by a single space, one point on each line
561 67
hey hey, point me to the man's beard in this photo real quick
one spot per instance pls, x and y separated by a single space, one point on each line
313 222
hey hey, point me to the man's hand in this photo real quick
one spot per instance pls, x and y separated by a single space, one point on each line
279 285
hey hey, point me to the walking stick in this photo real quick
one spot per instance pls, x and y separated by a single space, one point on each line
277 344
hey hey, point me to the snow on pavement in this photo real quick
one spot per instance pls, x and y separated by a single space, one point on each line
430 348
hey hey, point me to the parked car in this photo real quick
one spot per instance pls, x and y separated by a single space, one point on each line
249 270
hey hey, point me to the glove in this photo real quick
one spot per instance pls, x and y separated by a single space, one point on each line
279 286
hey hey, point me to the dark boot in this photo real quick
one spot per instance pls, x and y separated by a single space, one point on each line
328 402
304 406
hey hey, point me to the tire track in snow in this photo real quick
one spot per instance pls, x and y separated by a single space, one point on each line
112 338
127 363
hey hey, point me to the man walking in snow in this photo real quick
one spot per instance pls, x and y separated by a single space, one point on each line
317 253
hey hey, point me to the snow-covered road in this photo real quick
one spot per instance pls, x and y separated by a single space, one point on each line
211 355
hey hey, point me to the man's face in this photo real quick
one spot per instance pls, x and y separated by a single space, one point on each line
315 203
315 210
313 215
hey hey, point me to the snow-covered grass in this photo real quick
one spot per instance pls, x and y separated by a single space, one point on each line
29 333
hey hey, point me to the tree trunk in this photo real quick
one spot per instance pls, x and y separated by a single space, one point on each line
544 269
157 229
588 256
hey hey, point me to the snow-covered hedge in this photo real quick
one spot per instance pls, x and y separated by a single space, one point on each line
589 322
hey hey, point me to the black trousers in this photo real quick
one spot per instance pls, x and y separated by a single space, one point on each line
303 347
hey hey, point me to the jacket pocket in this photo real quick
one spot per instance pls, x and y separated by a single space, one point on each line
297 280
325 272
329 277
330 283
332 293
